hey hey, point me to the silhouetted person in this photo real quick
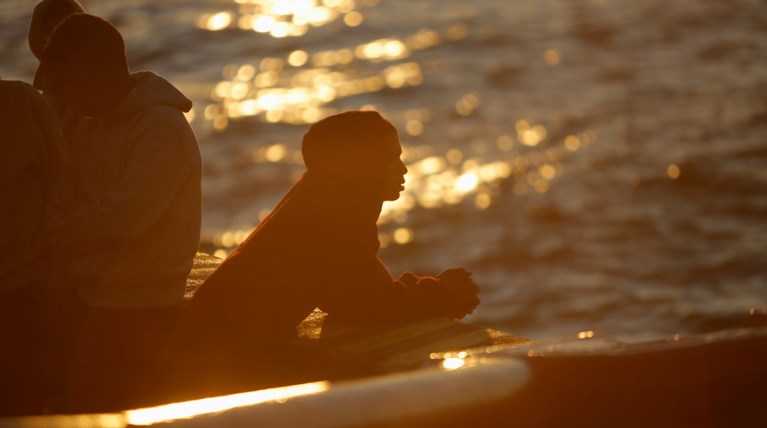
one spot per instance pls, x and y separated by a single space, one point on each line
31 161
318 248
46 15
132 228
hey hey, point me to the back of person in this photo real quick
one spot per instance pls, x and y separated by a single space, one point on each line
239 330
138 172
266 285
31 161
132 228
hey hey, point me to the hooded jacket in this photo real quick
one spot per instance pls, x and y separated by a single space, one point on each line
30 165
318 248
136 181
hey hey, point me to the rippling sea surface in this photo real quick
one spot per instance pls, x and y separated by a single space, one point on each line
600 165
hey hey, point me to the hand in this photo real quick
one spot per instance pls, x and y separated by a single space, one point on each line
408 278
459 292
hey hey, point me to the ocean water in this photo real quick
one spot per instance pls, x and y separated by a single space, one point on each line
600 165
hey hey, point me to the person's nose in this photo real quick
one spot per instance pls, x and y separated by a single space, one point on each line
403 168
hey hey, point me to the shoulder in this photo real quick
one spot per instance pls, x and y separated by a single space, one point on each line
13 92
162 115
22 107
15 86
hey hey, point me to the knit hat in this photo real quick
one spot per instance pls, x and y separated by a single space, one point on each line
45 17
82 38
348 134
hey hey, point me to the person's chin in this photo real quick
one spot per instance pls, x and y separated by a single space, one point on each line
392 196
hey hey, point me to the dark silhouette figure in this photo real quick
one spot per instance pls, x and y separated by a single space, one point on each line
46 15
129 220
318 248
31 163
57 318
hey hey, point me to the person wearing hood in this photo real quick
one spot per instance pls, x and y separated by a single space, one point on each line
31 163
317 249
133 226
46 15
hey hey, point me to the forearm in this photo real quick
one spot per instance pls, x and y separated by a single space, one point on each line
378 298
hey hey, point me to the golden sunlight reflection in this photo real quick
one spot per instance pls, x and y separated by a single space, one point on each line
572 143
285 18
453 363
452 360
403 235
434 181
530 135
467 182
231 239
585 334
552 57
353 19
188 409
467 104
215 22
673 171
482 201
297 89
297 58
220 253
547 171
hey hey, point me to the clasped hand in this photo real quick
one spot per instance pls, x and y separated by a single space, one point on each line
458 291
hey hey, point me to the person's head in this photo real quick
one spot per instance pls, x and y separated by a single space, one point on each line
359 146
84 63
45 17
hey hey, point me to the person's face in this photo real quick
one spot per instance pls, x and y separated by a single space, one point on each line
83 88
394 170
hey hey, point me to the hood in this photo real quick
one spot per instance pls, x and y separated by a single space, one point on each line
151 89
